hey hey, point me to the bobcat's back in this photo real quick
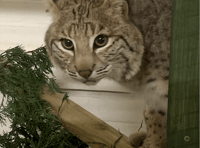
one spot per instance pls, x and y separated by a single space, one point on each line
153 19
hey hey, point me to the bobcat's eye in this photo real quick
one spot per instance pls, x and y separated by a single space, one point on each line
67 44
100 41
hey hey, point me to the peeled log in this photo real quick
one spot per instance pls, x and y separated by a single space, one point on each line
87 127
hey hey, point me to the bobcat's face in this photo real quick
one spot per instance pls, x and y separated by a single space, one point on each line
91 40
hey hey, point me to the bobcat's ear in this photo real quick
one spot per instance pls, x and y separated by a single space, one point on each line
55 6
51 7
116 7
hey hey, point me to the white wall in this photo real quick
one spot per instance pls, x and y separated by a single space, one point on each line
24 22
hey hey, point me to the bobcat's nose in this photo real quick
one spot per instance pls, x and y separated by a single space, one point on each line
85 73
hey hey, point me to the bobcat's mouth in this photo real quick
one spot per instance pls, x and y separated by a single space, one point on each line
89 82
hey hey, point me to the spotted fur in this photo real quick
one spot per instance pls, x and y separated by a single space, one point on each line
136 54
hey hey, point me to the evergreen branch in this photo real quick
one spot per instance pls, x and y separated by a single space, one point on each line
22 77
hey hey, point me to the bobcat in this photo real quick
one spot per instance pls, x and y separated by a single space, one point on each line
127 41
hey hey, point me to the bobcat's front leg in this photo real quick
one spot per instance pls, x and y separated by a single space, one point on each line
156 123
156 131
155 115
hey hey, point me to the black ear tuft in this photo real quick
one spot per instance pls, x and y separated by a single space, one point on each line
60 3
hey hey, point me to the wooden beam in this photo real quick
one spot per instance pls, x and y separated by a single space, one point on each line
87 127
183 110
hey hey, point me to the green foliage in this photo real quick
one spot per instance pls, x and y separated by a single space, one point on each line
22 77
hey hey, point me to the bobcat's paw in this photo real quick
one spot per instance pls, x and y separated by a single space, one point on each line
137 138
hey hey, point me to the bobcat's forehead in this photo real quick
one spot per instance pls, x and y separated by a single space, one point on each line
84 29
83 18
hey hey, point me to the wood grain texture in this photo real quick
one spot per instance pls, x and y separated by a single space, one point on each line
87 127
183 112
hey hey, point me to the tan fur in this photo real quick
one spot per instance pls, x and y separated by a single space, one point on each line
51 7
136 54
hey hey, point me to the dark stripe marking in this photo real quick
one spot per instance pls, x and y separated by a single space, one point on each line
166 78
102 68
151 80
162 113
131 49
100 27
104 72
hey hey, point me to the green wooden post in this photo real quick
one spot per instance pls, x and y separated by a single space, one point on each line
183 110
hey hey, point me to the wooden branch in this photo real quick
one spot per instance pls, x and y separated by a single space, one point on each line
87 127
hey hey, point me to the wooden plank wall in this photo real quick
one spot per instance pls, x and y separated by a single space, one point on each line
183 111
24 22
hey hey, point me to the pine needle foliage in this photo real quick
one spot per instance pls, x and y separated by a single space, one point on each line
22 77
